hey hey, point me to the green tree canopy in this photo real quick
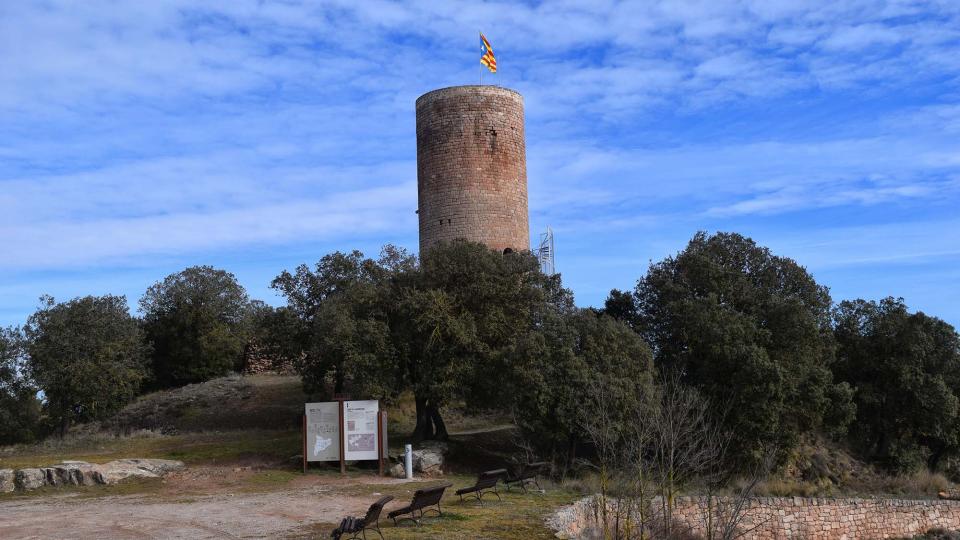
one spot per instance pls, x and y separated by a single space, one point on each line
19 406
88 356
905 370
748 329
438 327
456 319
195 320
335 322
556 366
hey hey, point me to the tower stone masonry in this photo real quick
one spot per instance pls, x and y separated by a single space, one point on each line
472 167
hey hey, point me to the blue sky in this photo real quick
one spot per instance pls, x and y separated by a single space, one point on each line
138 138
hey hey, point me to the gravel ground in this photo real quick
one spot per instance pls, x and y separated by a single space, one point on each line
186 510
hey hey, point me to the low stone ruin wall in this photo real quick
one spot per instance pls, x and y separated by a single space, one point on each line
81 473
776 518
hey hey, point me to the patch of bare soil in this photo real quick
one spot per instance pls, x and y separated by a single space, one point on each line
199 503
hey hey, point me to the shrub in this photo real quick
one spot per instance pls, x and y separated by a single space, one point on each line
195 320
88 356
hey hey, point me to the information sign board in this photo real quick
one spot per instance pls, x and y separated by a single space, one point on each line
323 431
361 430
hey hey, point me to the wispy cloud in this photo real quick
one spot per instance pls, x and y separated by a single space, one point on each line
175 128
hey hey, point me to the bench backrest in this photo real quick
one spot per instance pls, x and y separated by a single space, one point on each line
531 470
373 513
488 479
428 497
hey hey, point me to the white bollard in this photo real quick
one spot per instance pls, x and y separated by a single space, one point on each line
408 461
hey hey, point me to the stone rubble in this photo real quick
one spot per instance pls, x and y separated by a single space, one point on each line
397 471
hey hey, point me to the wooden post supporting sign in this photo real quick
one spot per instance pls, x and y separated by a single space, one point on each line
381 451
304 433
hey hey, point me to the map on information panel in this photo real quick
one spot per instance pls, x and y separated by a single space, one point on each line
323 431
361 426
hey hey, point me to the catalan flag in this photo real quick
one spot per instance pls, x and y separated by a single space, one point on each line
487 57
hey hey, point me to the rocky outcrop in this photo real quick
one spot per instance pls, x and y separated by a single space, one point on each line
119 470
74 473
6 480
81 473
429 459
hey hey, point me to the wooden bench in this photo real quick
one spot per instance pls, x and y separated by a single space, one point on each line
423 500
528 474
359 527
486 483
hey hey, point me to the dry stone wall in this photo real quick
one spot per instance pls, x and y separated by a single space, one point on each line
471 167
789 518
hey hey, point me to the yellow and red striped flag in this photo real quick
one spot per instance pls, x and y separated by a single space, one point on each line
487 57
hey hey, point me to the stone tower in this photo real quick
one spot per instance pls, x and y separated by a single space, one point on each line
472 167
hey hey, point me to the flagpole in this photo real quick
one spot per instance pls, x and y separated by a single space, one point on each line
481 66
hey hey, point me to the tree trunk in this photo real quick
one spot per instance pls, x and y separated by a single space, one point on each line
441 428
424 428
430 425
935 456
338 380
571 450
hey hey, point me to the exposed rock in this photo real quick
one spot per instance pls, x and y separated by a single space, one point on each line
121 469
30 479
51 477
78 473
6 480
397 471
159 467
429 459
81 473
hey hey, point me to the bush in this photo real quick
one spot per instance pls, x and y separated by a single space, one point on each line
905 369
749 329
555 366
88 356
19 406
196 322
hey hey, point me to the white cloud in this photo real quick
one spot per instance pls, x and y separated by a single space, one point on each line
141 129
64 243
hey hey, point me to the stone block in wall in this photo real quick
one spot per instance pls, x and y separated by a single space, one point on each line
6 480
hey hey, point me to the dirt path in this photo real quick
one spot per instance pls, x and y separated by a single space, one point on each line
241 516
196 509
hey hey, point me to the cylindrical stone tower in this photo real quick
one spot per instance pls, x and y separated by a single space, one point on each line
472 167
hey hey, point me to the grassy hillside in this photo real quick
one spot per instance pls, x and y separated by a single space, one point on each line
253 419
241 438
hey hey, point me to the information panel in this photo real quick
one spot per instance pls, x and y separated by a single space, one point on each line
323 431
361 428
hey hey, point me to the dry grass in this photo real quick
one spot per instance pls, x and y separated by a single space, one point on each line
261 446
222 423
919 485
519 516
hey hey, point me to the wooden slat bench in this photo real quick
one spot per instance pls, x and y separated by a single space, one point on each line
529 474
359 527
423 500
486 483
